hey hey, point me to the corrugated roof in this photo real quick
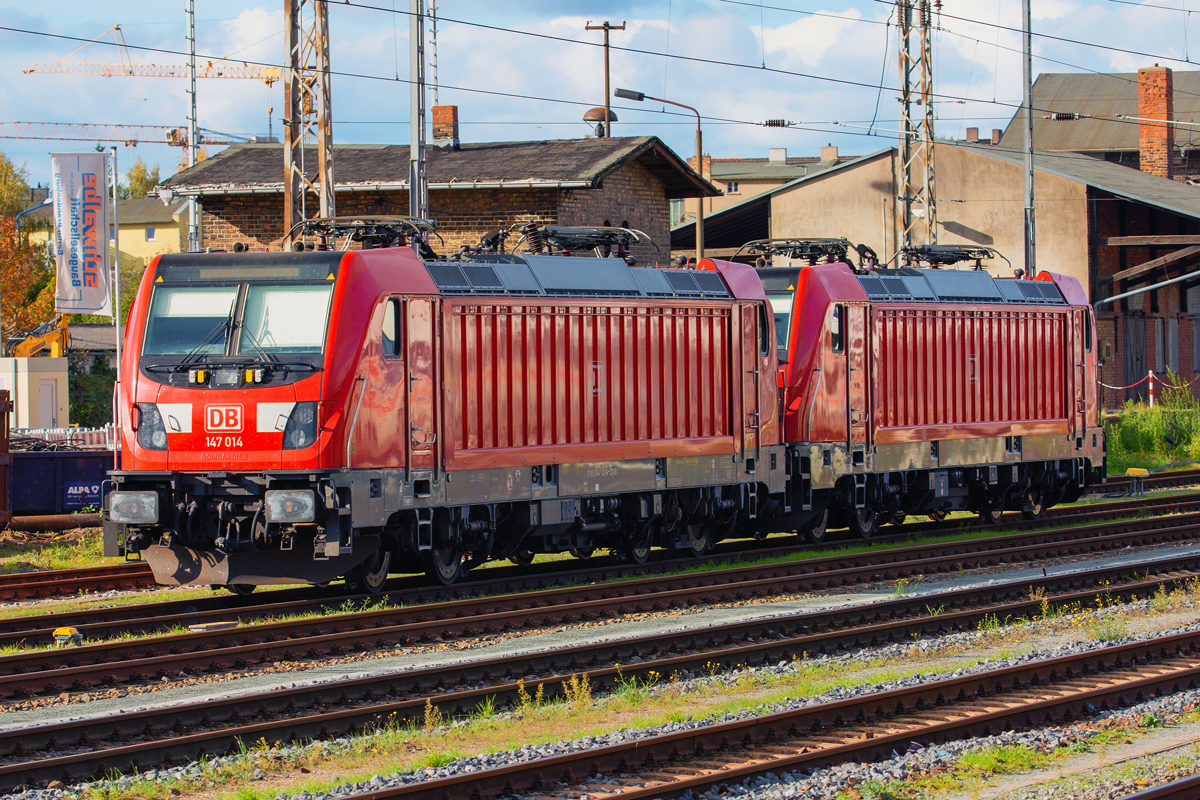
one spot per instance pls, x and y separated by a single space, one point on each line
739 223
1097 95
1126 182
259 167
94 337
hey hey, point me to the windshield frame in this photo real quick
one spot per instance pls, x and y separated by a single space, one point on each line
280 365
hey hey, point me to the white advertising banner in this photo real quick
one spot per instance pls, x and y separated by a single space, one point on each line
82 211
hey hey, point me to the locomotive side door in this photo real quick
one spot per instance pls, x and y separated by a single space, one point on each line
1078 322
858 406
751 417
422 389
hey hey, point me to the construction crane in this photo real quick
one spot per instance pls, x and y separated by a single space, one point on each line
52 334
126 68
129 135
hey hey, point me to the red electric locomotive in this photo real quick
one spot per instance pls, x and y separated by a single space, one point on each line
922 391
299 417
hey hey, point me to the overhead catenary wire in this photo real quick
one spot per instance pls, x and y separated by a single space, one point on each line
516 95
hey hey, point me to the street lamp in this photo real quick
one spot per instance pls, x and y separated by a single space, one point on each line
629 94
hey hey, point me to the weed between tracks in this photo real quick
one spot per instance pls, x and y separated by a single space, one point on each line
263 770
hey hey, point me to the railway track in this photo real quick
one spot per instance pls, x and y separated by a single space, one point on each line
64 582
139 660
80 748
665 766
150 618
137 575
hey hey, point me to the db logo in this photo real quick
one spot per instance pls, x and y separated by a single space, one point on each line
223 418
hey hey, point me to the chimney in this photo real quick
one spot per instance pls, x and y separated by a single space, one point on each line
972 134
777 155
996 134
445 125
706 169
1156 141
829 153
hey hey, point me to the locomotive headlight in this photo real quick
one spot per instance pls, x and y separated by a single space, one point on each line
151 434
301 428
134 508
291 505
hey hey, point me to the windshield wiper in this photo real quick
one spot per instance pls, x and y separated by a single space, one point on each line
262 354
224 326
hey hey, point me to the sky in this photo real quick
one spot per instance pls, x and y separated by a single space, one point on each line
528 69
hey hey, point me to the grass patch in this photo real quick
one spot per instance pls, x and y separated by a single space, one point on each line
29 552
1153 437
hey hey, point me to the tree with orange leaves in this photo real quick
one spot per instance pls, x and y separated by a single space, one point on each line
26 283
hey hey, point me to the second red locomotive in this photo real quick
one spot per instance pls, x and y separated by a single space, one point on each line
300 417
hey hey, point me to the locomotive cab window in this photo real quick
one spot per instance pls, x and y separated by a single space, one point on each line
391 328
837 334
781 307
1087 332
764 341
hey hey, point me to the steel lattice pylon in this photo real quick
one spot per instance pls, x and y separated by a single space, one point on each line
306 99
918 211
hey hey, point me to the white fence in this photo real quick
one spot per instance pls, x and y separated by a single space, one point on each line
83 438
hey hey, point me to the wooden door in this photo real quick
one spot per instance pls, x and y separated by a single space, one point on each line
419 329
1135 357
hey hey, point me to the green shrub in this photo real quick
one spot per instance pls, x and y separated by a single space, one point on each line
1151 437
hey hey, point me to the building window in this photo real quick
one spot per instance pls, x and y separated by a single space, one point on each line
1173 344
1195 344
731 187
1160 361
150 233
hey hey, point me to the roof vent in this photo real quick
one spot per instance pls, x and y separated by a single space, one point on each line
777 155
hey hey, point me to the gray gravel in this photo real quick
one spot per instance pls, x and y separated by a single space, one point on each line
800 784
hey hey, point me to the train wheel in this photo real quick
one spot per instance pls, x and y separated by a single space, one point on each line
862 522
522 558
637 550
817 528
241 589
698 540
583 553
992 516
371 576
444 566
1034 509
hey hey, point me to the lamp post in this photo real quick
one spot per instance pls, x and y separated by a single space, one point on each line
629 94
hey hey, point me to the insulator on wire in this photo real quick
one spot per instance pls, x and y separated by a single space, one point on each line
533 238
775 123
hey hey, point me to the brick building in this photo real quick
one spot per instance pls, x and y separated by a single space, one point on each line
473 188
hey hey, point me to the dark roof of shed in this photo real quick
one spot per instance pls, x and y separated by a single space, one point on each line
1132 184
1098 95
584 162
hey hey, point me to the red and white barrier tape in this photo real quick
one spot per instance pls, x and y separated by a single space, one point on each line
1130 386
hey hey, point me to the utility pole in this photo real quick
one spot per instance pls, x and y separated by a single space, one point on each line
1027 70
193 150
606 27
433 49
918 210
418 184
309 109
